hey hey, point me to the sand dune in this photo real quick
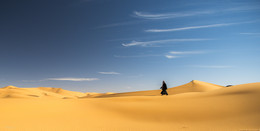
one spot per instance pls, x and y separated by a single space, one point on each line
193 86
195 106
15 92
40 92
63 92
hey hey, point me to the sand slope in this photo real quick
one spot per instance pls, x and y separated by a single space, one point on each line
204 108
40 92
193 86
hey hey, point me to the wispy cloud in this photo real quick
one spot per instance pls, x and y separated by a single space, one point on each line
177 54
255 34
156 16
149 43
185 52
168 15
190 27
32 80
73 79
171 56
211 66
109 73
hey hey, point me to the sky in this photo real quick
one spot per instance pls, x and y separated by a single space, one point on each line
128 45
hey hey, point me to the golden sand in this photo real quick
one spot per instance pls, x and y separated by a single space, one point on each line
195 106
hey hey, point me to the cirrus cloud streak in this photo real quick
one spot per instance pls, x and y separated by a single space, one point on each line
189 28
109 73
147 43
73 79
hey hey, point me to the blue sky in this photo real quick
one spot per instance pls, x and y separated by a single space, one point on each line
130 45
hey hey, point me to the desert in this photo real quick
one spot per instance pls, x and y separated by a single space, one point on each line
195 106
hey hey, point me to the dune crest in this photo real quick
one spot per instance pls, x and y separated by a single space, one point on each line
39 92
195 106
193 86
44 92
10 87
51 89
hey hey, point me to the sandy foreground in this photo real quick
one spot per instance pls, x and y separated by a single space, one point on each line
195 106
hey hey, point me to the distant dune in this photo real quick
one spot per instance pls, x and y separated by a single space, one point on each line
193 86
195 106
39 92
